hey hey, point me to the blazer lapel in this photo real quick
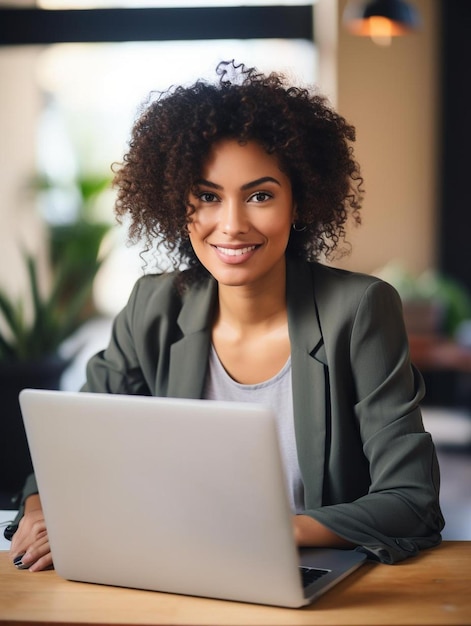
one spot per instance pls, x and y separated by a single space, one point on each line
309 380
189 355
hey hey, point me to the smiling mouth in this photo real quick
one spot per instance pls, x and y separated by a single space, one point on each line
235 251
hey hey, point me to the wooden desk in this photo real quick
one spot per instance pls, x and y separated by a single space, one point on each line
433 588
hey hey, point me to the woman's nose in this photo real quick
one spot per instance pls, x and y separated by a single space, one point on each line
233 218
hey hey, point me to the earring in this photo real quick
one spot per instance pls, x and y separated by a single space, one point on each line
299 229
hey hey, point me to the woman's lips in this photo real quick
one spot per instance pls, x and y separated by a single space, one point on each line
235 255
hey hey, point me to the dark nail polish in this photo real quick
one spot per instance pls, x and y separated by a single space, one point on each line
18 562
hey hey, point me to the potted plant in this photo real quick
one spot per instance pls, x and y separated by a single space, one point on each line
437 311
34 327
32 330
434 304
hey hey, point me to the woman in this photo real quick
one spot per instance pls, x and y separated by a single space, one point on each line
248 183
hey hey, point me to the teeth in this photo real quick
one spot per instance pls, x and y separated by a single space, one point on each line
237 251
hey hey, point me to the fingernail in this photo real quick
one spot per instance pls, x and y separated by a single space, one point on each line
18 560
19 563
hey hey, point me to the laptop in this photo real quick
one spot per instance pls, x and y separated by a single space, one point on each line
171 495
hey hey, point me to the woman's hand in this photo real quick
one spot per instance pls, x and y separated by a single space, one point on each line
310 532
30 544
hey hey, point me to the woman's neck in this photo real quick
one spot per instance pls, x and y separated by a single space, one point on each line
250 331
255 306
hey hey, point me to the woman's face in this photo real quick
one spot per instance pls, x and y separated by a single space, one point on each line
244 212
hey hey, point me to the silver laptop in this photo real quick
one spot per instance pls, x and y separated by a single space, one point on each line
180 496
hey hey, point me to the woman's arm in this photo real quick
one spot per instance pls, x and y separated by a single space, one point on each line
399 513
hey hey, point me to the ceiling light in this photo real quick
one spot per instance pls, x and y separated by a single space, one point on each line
381 19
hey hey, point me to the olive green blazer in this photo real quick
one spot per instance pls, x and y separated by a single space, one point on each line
370 471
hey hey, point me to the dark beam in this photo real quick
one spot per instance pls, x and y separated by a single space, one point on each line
455 163
40 26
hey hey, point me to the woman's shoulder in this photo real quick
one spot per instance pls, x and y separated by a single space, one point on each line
171 284
167 292
335 288
327 277
335 275
343 290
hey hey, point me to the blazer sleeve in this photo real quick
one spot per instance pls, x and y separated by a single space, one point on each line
137 352
116 369
30 488
400 513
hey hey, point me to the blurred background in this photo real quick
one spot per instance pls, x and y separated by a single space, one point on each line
73 76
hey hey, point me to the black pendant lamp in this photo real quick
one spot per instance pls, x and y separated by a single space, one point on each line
381 18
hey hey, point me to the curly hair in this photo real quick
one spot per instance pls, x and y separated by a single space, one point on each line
175 133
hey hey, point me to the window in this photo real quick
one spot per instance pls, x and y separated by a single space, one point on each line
90 92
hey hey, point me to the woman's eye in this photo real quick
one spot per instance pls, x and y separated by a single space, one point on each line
207 196
260 196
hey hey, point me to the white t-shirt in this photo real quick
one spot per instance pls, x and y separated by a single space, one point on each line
275 393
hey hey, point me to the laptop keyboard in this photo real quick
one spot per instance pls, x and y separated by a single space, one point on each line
311 574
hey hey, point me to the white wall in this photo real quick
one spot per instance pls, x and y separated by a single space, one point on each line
391 95
19 107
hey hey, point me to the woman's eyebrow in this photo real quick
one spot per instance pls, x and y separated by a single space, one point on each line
260 181
207 183
250 185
